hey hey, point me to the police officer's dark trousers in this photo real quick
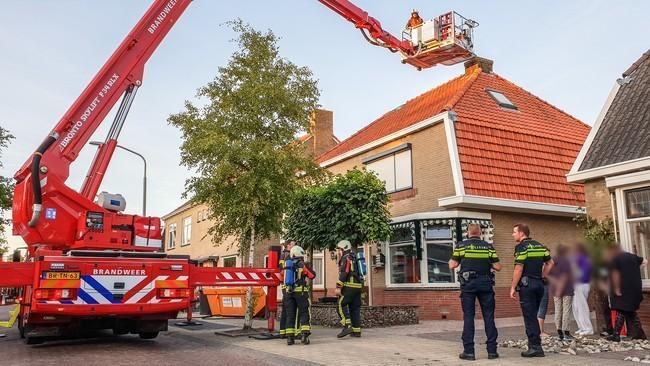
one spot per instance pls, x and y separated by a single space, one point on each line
530 297
350 308
298 313
478 288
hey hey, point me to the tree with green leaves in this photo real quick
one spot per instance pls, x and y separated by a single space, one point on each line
242 141
6 190
353 206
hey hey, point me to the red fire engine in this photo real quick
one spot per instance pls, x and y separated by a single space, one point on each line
90 265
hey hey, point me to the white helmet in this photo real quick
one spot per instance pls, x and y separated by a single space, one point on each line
345 245
297 252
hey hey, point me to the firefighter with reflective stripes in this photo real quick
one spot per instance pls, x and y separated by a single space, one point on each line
283 314
348 289
298 305
476 259
532 265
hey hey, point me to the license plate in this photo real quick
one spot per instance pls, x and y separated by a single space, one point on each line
61 275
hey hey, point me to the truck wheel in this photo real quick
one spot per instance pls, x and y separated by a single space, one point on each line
21 327
148 335
34 340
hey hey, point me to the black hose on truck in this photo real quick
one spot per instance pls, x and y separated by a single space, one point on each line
36 182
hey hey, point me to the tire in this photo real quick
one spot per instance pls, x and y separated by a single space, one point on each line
148 335
21 327
34 340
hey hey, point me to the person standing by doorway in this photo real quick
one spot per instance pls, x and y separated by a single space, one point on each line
532 264
626 292
581 313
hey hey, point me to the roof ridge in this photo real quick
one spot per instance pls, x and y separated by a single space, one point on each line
541 100
448 82
472 78
636 64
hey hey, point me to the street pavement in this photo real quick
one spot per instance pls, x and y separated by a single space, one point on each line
428 343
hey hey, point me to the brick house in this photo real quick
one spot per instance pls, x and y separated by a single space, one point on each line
186 228
477 148
614 165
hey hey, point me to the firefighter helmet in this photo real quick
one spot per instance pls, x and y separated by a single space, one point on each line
345 245
297 252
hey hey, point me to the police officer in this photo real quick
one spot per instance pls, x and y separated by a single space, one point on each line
532 264
476 259
283 314
348 289
298 322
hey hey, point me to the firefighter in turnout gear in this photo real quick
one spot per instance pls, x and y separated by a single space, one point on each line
298 321
476 259
532 265
348 289
283 314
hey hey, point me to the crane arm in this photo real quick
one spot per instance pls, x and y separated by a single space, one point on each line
123 70
363 21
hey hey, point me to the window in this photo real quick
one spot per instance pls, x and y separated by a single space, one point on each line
200 216
431 269
438 255
438 232
439 248
404 265
187 231
318 264
171 244
393 168
501 99
637 221
229 262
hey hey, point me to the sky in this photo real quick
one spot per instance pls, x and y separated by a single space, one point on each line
569 53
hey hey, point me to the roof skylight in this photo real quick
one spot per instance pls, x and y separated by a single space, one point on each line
501 99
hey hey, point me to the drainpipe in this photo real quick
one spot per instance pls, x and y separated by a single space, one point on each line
366 249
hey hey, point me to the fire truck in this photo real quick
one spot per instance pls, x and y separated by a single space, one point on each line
92 266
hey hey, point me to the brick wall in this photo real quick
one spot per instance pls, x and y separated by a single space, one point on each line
432 176
598 201
436 303
644 311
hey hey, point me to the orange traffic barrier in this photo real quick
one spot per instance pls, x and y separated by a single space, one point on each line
232 301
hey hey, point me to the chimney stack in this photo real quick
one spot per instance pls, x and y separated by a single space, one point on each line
479 62
322 131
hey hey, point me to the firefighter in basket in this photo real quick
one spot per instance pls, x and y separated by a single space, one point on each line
297 279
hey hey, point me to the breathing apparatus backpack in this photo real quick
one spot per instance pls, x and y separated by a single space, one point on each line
360 264
289 273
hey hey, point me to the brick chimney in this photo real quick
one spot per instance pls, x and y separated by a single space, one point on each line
479 62
322 131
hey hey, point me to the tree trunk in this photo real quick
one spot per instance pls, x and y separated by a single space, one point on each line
248 318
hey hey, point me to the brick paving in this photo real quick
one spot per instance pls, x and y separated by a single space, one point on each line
427 343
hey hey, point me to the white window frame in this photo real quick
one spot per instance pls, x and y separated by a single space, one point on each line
187 231
623 221
424 273
172 243
392 155
319 255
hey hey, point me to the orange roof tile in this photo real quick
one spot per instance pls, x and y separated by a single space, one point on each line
520 154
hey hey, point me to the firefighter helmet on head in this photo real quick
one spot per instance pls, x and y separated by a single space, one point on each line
344 245
297 252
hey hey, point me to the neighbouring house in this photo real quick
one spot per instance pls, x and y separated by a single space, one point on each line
614 165
476 149
186 228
